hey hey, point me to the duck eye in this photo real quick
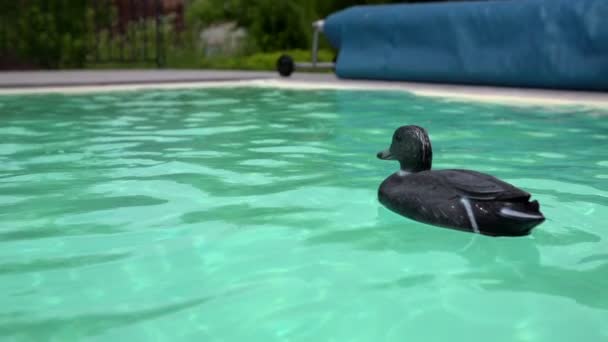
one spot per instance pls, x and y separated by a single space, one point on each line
398 138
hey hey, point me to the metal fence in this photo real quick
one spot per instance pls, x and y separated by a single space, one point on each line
132 33
73 33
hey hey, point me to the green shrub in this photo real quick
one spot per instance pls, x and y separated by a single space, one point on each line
272 24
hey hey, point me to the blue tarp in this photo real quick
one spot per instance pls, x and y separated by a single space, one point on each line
526 43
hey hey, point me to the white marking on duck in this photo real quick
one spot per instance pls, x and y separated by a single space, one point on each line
518 214
402 173
467 206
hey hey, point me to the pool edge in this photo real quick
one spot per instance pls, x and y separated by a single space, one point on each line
508 96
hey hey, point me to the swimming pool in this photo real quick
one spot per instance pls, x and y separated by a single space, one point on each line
250 214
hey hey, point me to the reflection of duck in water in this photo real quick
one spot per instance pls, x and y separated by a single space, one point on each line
460 199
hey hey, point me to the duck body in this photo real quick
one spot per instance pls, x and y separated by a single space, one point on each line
453 198
461 199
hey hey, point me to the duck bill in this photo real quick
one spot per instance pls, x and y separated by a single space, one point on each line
385 155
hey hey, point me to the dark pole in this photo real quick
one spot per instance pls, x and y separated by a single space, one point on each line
45 15
110 6
121 30
131 30
143 21
96 29
159 35
3 34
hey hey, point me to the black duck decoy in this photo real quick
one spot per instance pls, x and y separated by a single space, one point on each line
459 199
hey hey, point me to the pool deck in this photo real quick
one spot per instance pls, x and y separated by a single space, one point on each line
28 82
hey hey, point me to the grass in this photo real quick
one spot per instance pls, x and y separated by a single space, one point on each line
263 61
189 59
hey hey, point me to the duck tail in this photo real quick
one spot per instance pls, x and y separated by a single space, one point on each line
528 212
534 206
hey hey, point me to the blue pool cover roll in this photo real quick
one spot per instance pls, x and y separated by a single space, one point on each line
525 43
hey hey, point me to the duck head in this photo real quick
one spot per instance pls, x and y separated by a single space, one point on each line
411 147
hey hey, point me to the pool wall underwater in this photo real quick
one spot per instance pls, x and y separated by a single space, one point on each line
558 44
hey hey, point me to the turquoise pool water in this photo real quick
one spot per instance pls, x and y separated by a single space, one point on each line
251 215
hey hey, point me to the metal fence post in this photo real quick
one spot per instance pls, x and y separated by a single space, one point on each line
159 34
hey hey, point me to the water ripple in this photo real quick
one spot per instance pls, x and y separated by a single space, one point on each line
252 214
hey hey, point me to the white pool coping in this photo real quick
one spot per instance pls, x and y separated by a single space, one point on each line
508 96
518 97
